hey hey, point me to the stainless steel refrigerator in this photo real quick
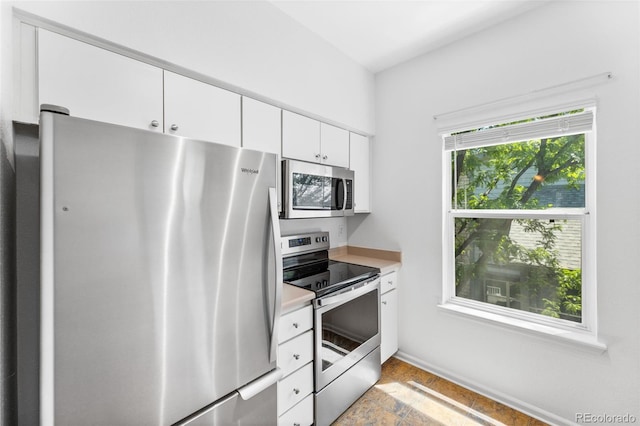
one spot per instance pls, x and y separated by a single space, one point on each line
160 278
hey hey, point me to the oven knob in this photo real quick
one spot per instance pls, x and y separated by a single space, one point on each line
325 239
317 239
318 284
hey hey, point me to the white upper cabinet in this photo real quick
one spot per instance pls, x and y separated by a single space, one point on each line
334 145
261 126
306 139
359 162
98 84
300 137
200 111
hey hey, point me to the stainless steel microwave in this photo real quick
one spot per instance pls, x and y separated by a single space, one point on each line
316 190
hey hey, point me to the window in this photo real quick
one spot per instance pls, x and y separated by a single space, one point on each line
519 218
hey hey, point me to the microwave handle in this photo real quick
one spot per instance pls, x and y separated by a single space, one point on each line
344 193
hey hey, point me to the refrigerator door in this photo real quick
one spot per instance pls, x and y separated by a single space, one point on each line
158 266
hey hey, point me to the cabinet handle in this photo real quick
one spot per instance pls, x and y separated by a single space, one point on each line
174 127
324 157
296 391
390 282
317 155
295 325
296 424
384 302
296 356
155 123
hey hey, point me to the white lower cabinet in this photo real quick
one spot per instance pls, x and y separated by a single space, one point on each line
295 359
300 415
388 315
295 353
294 388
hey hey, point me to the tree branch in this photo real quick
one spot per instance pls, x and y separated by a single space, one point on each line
519 175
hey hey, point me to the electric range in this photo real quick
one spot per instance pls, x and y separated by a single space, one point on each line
346 322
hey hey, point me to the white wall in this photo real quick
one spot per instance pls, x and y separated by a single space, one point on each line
249 44
556 43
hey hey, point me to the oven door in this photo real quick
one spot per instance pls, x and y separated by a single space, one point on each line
316 190
347 328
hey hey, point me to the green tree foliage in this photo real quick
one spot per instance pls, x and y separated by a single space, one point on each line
511 176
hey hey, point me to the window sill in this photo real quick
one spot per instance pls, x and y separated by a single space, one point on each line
573 338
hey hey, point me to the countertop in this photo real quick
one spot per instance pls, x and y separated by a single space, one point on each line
388 261
294 297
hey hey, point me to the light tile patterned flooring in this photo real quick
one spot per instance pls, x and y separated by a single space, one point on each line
409 396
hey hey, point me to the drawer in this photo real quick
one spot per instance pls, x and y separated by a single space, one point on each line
300 415
294 388
388 282
295 353
295 323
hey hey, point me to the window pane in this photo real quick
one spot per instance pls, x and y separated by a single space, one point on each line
530 265
536 174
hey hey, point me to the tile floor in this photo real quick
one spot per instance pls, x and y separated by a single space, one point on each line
409 396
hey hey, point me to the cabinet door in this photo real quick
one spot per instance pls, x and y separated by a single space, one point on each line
334 145
301 414
295 323
295 353
360 163
300 137
97 84
201 111
294 388
389 324
261 126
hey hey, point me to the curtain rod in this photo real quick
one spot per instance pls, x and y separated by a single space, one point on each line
605 76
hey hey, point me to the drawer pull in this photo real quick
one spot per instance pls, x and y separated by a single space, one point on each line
384 302
296 356
296 391
296 424
390 282
295 325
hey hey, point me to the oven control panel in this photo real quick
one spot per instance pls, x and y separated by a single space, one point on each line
303 243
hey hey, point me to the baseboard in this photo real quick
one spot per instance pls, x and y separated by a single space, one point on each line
500 397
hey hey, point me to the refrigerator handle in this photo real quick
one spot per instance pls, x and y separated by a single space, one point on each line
277 251
260 384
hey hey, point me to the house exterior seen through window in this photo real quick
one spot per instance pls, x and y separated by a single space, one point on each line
517 223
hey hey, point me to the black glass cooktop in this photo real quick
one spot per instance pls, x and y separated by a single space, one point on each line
326 276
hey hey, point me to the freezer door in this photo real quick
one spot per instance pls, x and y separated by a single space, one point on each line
158 268
234 411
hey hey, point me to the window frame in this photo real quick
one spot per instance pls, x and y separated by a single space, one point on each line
587 328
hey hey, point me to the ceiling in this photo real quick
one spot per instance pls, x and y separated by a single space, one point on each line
379 34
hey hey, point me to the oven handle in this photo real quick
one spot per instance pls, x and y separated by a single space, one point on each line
350 293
